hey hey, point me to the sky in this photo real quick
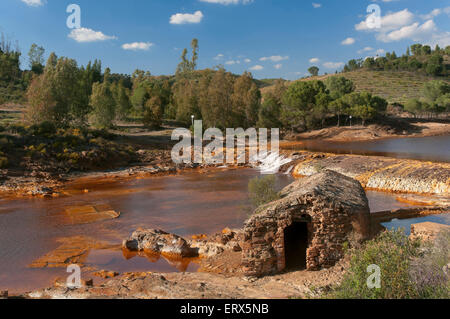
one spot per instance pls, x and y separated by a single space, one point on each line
270 38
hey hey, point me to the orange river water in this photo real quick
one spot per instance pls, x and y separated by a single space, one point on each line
186 204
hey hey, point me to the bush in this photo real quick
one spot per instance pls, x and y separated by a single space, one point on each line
427 271
262 190
393 252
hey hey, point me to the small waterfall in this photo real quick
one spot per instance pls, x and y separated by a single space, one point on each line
270 163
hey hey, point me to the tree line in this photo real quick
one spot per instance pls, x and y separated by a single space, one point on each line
67 95
417 58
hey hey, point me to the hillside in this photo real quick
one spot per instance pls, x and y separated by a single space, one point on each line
394 86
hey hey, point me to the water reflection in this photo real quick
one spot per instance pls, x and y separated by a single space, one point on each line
186 204
435 148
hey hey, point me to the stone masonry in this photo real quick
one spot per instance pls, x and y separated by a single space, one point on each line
335 210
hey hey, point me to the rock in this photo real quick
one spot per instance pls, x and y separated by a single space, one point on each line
106 274
427 231
208 249
88 283
159 241
316 216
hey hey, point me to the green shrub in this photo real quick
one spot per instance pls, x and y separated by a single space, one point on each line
262 190
393 252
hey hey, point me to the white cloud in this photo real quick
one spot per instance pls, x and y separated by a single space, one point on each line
33 3
333 65
316 5
227 2
389 22
414 31
232 62
278 66
432 14
403 25
314 60
366 49
220 56
184 18
135 46
348 41
247 60
89 35
274 58
257 68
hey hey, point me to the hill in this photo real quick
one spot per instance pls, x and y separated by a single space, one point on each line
394 86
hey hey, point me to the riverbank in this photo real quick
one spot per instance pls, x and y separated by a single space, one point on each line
402 129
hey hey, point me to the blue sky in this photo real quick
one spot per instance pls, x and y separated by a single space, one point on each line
270 38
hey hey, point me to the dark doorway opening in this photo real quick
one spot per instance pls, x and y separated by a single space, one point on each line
295 245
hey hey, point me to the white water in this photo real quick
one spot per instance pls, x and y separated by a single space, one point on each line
270 163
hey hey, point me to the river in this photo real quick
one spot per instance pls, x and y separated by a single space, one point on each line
186 204
435 148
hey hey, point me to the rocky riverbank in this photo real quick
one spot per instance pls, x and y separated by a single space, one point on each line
220 256
378 173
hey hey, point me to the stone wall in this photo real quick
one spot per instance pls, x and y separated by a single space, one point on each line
334 207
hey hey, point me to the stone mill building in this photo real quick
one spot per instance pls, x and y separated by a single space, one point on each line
308 227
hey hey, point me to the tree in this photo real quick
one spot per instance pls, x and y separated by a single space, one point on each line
61 82
139 97
314 70
299 102
123 104
435 65
185 66
413 106
339 107
215 102
103 105
246 101
36 58
364 112
269 113
432 90
153 113
364 106
41 104
339 86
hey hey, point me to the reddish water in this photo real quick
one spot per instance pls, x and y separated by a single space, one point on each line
187 204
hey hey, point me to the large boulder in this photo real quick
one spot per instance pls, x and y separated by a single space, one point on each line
159 241
332 209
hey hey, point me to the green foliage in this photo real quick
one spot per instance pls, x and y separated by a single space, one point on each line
153 113
339 86
103 106
299 102
423 60
36 58
314 71
269 114
12 79
58 95
262 190
393 252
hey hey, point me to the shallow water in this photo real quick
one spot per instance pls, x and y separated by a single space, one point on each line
186 204
434 148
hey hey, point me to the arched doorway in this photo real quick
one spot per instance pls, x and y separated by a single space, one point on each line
295 245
